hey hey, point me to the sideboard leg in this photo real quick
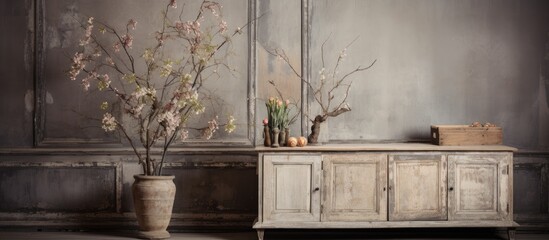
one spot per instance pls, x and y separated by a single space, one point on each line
511 233
260 234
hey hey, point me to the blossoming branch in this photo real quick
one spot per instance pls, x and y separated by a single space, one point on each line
159 93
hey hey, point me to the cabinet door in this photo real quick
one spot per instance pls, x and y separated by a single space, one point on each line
417 187
291 187
479 186
355 187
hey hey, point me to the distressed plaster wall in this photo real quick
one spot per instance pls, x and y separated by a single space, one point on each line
16 73
439 62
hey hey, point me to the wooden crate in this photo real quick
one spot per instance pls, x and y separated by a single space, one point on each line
465 135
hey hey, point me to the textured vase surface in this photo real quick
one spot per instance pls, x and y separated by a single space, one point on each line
276 132
153 198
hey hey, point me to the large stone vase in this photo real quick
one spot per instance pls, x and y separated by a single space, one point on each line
153 198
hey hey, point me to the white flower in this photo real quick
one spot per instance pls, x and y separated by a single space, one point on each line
170 121
166 69
77 65
343 54
86 84
322 75
86 80
186 78
87 35
109 122
136 111
127 40
148 55
210 130
222 26
184 134
141 92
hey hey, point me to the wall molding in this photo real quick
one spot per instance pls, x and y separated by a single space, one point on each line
39 121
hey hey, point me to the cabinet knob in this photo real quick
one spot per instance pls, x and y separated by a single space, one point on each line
451 188
384 189
316 189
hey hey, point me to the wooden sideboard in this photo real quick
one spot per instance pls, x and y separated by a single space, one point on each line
385 186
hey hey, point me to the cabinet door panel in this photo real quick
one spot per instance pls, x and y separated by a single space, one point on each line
291 188
417 187
479 187
355 187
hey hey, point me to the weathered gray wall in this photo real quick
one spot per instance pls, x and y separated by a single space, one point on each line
439 62
16 73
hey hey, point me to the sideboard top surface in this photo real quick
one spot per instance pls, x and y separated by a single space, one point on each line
388 147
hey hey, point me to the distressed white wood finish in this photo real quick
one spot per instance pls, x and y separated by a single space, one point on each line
388 224
418 191
417 186
355 187
291 188
480 187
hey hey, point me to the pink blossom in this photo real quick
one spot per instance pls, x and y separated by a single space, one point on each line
160 37
210 130
88 33
287 102
77 65
196 25
127 40
173 4
110 61
87 79
170 121
184 26
265 121
212 6
116 47
222 26
132 23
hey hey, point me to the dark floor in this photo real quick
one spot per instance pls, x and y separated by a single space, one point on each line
415 234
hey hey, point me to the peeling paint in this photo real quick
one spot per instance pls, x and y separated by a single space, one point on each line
53 37
29 100
49 98
29 39
546 67
61 34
